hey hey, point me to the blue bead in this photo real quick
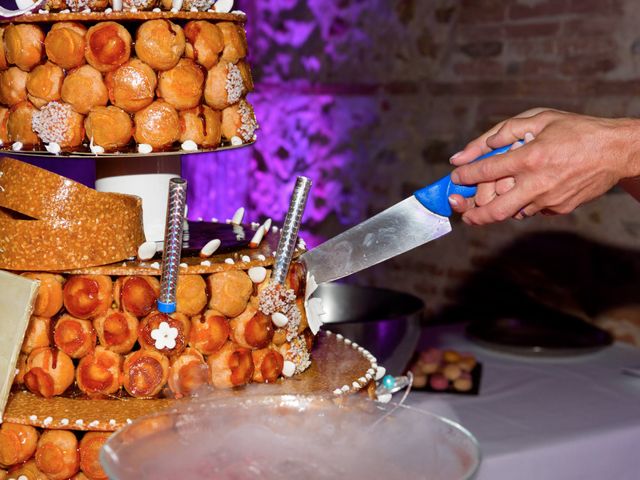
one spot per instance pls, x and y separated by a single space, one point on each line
388 382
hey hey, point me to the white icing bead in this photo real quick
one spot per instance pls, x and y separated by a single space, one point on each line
147 250
145 148
223 6
279 319
384 398
205 263
245 258
17 146
337 391
64 422
380 372
189 146
47 421
33 418
155 265
257 274
288 368
53 147
236 141
229 261
345 388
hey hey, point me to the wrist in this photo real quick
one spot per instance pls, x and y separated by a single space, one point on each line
629 139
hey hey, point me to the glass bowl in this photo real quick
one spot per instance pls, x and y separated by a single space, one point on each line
291 436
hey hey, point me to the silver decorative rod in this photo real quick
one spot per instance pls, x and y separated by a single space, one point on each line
172 244
289 233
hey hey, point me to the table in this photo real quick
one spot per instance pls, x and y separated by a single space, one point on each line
547 419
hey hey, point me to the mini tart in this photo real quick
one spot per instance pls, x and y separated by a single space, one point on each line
132 86
17 443
74 336
58 123
90 446
108 45
38 334
3 57
110 127
191 295
201 125
44 84
19 124
157 125
239 121
231 366
4 118
268 365
23 45
84 89
117 331
160 44
182 85
98 374
204 42
65 45
13 86
87 296
137 295
235 42
154 321
209 332
225 86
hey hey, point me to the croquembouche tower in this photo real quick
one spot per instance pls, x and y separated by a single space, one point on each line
133 85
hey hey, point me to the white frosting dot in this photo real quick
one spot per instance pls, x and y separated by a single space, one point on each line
53 147
337 391
147 250
279 319
64 422
245 258
289 368
47 421
145 148
155 265
33 418
257 274
189 146
229 261
236 141
205 263
17 146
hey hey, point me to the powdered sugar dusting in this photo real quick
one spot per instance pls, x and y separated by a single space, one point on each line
234 84
51 121
276 298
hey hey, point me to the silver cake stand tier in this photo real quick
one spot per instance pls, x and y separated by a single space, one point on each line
144 175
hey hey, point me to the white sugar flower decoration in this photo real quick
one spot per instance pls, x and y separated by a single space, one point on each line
165 336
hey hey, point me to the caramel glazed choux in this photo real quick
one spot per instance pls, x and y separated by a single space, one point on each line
158 85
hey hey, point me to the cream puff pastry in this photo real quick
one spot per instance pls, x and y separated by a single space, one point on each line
87 296
49 372
57 454
157 125
145 372
109 127
209 332
230 292
44 84
65 44
74 336
23 44
108 45
84 89
204 42
201 125
182 85
98 374
160 44
132 86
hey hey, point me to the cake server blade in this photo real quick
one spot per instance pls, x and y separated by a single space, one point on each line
419 219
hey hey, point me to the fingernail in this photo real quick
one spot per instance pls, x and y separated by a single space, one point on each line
528 137
453 201
466 220
455 178
454 156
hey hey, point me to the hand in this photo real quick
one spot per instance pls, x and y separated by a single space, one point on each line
572 160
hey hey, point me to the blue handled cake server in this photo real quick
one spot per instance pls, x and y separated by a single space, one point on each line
419 219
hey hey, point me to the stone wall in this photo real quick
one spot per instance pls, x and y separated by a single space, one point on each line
371 97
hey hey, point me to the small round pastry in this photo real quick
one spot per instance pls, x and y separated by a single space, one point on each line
83 89
268 365
55 5
225 86
229 292
160 44
209 332
44 84
98 374
231 366
145 373
19 124
49 372
17 443
296 278
109 127
204 42
245 71
201 125
140 5
87 296
279 336
252 328
82 5
23 45
74 336
137 295
21 369
4 118
164 333
188 373
90 446
49 300
157 125
132 86
65 45
58 123
108 45
57 454
13 86
117 331
38 334
191 295
304 321
235 42
239 121
297 352
3 57
28 470
182 85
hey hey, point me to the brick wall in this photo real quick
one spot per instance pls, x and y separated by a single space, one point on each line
376 94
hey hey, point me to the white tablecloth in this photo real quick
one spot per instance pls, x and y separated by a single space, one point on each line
547 419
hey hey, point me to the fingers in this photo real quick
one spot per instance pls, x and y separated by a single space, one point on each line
500 209
460 204
516 129
504 185
475 148
490 169
526 212
485 193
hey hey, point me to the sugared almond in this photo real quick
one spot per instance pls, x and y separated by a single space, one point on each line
146 251
257 238
257 274
210 248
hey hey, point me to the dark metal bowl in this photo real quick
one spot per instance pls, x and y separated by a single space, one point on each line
385 322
